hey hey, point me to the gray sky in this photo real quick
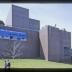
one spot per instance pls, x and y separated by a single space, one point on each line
48 14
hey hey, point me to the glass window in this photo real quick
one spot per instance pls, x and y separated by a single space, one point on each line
66 51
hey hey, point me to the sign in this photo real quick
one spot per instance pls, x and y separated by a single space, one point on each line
13 35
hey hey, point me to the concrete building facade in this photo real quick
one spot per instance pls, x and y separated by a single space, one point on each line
55 44
18 20
49 43
20 49
19 17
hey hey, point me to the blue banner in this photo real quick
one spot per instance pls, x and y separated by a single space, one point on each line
14 35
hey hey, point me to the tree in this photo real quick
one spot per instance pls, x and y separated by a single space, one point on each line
1 23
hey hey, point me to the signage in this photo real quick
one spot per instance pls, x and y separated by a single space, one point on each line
13 35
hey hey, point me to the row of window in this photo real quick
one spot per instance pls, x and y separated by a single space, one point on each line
13 38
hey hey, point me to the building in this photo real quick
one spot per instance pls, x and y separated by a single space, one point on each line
19 17
23 38
18 20
55 44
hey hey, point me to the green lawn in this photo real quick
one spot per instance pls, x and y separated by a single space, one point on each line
34 63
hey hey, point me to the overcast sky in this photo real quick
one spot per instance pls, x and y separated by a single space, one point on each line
48 14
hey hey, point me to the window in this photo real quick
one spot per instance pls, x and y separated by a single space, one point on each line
11 37
66 51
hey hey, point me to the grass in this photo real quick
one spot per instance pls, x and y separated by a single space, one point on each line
34 63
